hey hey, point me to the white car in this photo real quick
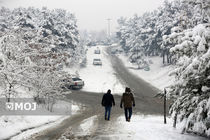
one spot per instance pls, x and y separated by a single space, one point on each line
76 83
72 83
97 61
97 51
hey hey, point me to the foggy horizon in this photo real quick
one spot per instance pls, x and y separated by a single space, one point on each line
92 15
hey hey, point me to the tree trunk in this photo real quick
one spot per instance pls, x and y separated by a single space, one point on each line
9 94
168 55
175 120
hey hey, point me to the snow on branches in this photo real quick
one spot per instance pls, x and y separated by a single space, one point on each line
34 43
192 86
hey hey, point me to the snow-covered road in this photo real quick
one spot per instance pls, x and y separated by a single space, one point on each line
141 127
100 78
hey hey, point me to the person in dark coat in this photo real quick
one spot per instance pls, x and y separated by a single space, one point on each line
107 102
128 101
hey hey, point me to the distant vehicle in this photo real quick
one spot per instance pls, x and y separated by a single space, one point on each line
114 45
116 50
113 51
150 61
147 68
97 62
74 83
91 44
97 51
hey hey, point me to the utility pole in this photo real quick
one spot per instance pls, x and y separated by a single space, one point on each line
108 27
164 106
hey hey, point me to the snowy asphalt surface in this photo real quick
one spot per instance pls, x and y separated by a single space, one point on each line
145 103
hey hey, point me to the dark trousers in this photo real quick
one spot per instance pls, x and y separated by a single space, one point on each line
128 113
107 112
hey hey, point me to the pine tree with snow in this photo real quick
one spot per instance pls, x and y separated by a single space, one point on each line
192 87
179 31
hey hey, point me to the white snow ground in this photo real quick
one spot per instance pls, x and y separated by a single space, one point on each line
144 127
99 78
88 126
13 125
141 127
158 75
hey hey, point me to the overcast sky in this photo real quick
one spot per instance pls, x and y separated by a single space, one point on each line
92 14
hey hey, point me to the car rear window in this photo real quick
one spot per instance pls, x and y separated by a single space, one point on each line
97 59
76 79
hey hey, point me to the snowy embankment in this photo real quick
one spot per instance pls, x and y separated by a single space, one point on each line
144 127
21 127
158 75
99 78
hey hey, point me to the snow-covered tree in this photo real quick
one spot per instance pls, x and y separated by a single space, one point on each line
191 90
179 31
34 43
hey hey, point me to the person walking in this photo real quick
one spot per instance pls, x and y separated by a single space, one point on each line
128 101
107 102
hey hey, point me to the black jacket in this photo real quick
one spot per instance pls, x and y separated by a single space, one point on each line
108 100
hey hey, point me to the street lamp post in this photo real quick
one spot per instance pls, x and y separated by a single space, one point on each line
108 28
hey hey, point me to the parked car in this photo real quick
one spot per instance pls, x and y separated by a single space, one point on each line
76 83
91 44
73 83
113 51
147 68
97 61
97 51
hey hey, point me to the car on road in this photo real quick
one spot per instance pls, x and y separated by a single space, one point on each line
76 83
147 68
72 83
113 51
97 61
97 51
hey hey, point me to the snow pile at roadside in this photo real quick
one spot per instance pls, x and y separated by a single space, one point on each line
158 75
13 125
100 78
150 128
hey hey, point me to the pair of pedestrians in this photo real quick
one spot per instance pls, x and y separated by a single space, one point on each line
127 100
